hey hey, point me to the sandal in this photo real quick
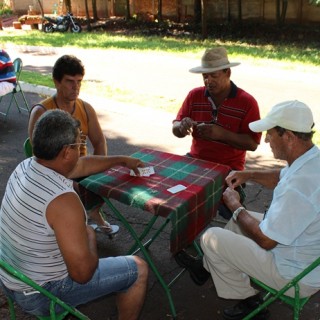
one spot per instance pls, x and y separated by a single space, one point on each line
108 229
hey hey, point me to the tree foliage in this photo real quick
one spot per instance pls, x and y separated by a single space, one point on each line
315 2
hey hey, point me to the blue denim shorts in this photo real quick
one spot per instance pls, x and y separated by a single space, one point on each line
114 274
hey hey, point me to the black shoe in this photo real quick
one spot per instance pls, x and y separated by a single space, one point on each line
244 307
194 265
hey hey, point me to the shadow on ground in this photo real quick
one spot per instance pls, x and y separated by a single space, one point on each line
192 302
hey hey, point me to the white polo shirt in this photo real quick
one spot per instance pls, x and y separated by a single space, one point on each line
293 219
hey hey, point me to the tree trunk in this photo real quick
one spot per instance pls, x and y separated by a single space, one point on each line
41 8
204 19
197 11
284 11
278 12
87 15
68 5
159 10
94 10
128 15
240 11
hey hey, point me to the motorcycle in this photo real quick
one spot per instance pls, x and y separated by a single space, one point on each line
61 24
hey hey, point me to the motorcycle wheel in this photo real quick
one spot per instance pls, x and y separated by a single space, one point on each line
76 28
48 28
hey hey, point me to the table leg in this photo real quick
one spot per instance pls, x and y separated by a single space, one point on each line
145 253
135 248
156 234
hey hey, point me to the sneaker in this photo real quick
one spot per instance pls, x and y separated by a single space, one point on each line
244 307
194 265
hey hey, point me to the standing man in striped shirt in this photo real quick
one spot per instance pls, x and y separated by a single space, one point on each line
7 75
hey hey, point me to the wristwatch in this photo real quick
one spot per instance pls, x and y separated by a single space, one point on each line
236 213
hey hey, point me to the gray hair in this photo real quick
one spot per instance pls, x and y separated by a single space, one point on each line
52 131
305 136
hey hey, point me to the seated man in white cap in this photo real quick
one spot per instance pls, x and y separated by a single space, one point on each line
273 250
217 115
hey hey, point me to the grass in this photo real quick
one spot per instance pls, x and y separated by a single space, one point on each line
285 55
290 53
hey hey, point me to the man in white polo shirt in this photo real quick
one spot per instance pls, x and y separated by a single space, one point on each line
274 247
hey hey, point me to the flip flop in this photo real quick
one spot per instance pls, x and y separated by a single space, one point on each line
109 229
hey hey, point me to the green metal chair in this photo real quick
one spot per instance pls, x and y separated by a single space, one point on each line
53 299
296 302
17 68
27 148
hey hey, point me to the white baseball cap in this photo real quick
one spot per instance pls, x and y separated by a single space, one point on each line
291 115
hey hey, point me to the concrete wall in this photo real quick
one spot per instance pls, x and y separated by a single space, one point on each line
183 9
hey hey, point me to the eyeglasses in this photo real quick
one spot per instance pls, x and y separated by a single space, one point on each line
79 144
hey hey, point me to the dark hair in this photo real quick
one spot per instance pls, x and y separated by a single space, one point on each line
69 65
52 131
305 136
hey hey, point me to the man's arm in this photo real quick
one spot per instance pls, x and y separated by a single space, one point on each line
248 224
95 133
183 128
76 240
35 114
267 178
215 132
89 165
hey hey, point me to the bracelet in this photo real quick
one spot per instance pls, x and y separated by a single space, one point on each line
236 213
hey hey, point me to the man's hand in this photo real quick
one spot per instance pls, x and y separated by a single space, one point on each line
134 164
236 178
186 126
210 131
231 199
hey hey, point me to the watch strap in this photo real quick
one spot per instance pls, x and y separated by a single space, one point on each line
236 213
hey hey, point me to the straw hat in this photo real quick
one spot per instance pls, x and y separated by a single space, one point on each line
213 60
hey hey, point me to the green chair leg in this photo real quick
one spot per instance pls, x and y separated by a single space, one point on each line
11 309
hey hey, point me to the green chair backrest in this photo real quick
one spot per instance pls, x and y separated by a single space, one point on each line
17 63
27 148
53 299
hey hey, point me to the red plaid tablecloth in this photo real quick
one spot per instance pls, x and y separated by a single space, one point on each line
190 210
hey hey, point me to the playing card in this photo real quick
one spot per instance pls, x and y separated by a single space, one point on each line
144 172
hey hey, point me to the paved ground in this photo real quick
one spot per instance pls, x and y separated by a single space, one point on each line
129 128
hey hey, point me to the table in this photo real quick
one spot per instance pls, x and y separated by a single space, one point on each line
189 211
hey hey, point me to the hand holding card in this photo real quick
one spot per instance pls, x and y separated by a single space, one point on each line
144 172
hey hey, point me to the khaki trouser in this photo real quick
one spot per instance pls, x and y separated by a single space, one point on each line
231 258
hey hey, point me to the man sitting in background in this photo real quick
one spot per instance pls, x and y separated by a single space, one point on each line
67 74
8 78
